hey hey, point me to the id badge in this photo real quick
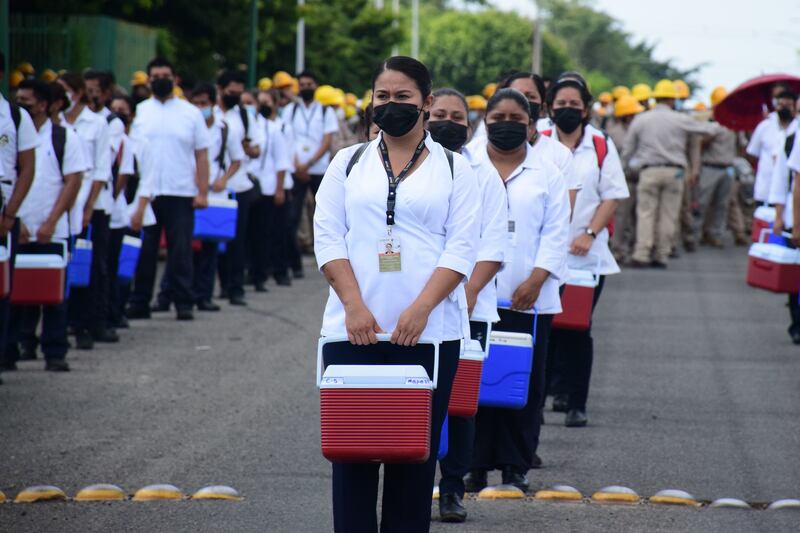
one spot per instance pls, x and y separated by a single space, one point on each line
389 254
306 148
512 233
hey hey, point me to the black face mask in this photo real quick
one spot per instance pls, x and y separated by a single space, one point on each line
567 118
507 135
449 134
396 119
307 95
124 118
536 108
785 114
231 100
162 87
265 110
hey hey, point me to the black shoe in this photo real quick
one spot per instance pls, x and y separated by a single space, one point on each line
536 462
283 281
105 335
514 478
184 314
160 307
238 300
690 246
297 273
207 306
576 418
223 294
633 263
8 366
794 333
56 365
475 481
83 340
134 312
122 323
27 354
451 509
260 287
560 403
658 264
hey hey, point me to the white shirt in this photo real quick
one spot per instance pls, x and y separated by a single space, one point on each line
13 141
240 182
310 124
174 130
48 180
494 231
437 225
275 157
768 138
288 138
233 150
538 209
116 130
598 185
125 156
794 164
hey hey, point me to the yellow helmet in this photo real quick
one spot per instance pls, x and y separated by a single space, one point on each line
281 79
295 86
619 91
682 89
178 92
139 78
476 102
366 100
642 92
489 90
718 95
700 106
665 89
48 75
350 99
26 69
605 98
349 111
15 78
627 105
325 95
265 83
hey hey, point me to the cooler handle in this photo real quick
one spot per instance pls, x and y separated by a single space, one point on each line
768 231
64 249
382 337
506 304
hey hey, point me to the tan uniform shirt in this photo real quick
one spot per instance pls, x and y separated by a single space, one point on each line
721 148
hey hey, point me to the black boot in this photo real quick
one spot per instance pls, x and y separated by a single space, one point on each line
475 481
451 509
511 476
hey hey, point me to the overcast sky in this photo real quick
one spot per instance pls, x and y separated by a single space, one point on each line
738 39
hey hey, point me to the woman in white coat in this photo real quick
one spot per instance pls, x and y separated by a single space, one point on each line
400 192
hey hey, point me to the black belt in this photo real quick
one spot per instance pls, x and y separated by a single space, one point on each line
667 165
7 182
712 165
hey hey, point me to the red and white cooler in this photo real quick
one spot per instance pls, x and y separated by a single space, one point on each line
773 267
5 267
39 279
467 383
577 300
763 218
375 413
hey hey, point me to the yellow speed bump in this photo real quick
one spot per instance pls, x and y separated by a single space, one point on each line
217 492
41 493
158 492
616 494
560 493
501 492
730 503
101 492
674 497
784 504
3 498
436 492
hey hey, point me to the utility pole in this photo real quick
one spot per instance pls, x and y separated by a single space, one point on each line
378 4
415 28
300 62
536 60
251 57
395 22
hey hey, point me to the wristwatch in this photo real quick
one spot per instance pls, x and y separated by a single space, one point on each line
590 232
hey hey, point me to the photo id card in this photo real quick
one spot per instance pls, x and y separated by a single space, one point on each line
389 254
512 233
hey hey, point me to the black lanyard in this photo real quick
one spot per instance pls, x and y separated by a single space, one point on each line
395 181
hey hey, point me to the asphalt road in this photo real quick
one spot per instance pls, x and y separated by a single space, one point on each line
695 387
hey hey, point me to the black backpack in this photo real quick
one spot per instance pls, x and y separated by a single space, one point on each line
59 140
788 149
245 120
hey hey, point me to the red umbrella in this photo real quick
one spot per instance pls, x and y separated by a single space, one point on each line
743 108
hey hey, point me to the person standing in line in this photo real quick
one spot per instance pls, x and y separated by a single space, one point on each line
18 141
433 212
91 215
449 126
657 140
60 160
177 143
313 126
536 250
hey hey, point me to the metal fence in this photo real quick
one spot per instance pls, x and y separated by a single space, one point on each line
79 42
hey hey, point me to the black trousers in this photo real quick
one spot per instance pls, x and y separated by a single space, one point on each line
299 193
460 437
205 268
794 312
175 215
89 305
510 437
115 308
269 239
406 488
5 303
236 249
575 352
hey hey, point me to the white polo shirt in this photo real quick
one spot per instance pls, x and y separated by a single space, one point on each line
437 225
48 180
538 211
12 141
240 182
116 130
598 185
310 124
288 138
174 130
768 138
794 165
125 156
275 157
233 150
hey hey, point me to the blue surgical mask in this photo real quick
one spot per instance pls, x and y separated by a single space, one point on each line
206 112
473 116
251 109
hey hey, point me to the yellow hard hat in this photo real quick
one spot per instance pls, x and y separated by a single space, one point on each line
605 98
642 92
489 90
177 91
627 105
349 111
350 99
476 102
619 91
15 78
682 89
700 106
139 78
49 75
366 100
265 83
295 86
281 79
26 68
665 89
340 97
325 95
718 95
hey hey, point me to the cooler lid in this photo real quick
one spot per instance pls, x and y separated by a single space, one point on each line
130 240
473 351
775 253
222 202
376 377
581 278
765 213
506 338
39 261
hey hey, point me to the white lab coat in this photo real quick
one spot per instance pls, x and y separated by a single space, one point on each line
767 140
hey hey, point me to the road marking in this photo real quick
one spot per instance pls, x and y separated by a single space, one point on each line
40 493
101 492
158 492
217 492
